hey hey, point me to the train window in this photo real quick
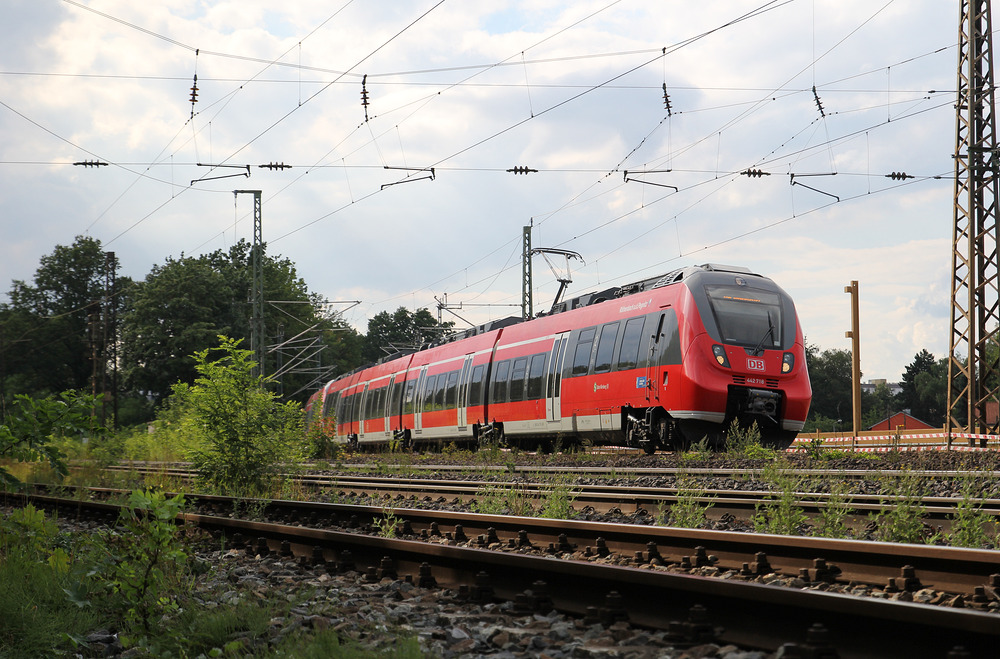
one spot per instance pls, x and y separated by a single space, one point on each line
500 382
535 374
411 387
428 395
439 391
606 348
450 395
517 378
554 367
631 344
392 405
746 317
329 404
380 407
584 345
476 386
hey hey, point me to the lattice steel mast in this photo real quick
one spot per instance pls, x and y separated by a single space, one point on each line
974 300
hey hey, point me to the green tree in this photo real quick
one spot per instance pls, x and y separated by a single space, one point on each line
27 434
925 388
401 330
830 374
877 405
182 305
46 330
250 437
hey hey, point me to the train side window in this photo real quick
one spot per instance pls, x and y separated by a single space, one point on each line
606 348
631 344
439 391
476 386
450 393
330 404
517 379
428 396
536 374
584 346
411 387
500 382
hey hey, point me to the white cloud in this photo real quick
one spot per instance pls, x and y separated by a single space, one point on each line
741 98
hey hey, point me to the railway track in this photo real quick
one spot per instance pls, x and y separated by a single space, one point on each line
604 498
659 575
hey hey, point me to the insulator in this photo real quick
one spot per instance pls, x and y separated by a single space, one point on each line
899 176
666 100
755 173
194 90
275 165
522 170
818 104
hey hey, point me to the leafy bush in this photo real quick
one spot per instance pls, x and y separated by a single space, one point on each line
27 435
145 563
249 436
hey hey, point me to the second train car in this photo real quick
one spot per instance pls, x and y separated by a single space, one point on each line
661 363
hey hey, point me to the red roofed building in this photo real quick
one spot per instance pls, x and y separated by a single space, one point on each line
901 420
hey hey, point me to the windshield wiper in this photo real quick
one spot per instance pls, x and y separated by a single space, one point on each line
770 332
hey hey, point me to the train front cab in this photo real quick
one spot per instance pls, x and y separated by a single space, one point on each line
743 361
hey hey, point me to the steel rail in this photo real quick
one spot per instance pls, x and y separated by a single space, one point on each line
750 614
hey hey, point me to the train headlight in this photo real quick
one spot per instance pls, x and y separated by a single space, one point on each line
720 355
787 362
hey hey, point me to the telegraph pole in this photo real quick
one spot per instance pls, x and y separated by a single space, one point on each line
855 336
975 315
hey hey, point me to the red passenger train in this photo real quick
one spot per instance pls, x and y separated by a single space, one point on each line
657 364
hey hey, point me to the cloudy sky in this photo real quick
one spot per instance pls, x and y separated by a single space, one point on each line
409 199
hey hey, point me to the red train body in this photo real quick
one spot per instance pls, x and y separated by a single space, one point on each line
657 364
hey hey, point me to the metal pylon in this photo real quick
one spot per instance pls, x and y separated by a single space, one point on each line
972 368
257 287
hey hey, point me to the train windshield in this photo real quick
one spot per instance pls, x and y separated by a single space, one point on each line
747 317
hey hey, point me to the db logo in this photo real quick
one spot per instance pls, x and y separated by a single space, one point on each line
755 365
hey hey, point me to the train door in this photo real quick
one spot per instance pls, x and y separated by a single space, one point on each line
390 408
362 412
553 380
652 359
418 403
463 392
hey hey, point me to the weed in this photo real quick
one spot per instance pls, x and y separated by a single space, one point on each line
557 501
500 500
389 525
699 451
780 513
690 511
145 563
745 442
901 520
970 525
834 512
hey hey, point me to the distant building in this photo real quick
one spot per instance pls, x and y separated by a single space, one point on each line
901 420
894 387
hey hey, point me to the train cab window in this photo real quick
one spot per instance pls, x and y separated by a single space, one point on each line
606 348
476 386
428 395
451 391
584 346
500 382
517 378
631 344
536 373
745 316
408 393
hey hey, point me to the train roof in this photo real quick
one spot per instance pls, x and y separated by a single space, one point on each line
580 301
